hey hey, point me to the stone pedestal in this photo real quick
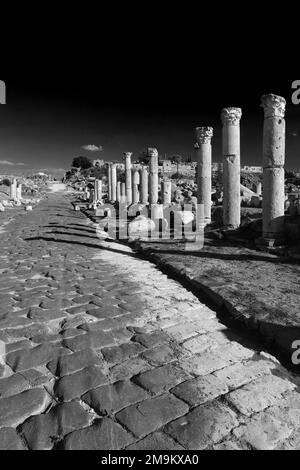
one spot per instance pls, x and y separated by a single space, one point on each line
273 163
231 167
153 154
113 183
204 159
127 156
166 192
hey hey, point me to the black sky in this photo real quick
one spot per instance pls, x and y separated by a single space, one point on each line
49 117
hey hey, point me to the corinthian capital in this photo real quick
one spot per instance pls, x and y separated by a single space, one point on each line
231 116
152 152
274 106
203 135
127 155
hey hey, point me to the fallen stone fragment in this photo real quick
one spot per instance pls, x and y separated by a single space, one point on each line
105 434
15 409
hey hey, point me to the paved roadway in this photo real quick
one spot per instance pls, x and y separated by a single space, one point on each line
100 350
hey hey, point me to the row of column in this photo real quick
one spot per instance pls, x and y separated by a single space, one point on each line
273 167
141 186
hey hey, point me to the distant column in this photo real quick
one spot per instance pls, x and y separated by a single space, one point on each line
259 189
273 163
98 190
203 150
113 183
153 154
231 167
166 192
13 189
135 186
109 181
19 191
144 176
127 156
118 191
123 193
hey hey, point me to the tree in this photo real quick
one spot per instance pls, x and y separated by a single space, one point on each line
82 162
143 157
5 182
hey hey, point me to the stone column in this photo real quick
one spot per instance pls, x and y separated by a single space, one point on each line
273 163
259 189
118 191
19 192
166 192
127 156
13 189
231 167
144 176
135 186
153 154
98 190
109 181
113 183
204 160
123 193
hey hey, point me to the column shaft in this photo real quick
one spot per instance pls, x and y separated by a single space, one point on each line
153 154
273 163
231 167
204 169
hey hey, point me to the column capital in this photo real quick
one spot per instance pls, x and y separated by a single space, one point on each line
127 154
152 152
274 106
203 136
231 116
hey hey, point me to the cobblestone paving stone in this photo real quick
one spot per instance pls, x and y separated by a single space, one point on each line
104 351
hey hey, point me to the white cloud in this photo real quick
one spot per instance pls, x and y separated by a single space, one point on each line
92 148
6 162
294 134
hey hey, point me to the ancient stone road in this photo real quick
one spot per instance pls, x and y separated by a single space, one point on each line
102 351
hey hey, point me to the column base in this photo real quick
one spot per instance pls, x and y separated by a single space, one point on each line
269 243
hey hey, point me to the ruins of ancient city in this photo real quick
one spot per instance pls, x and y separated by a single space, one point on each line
150 303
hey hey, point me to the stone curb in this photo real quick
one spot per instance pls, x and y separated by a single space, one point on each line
278 338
